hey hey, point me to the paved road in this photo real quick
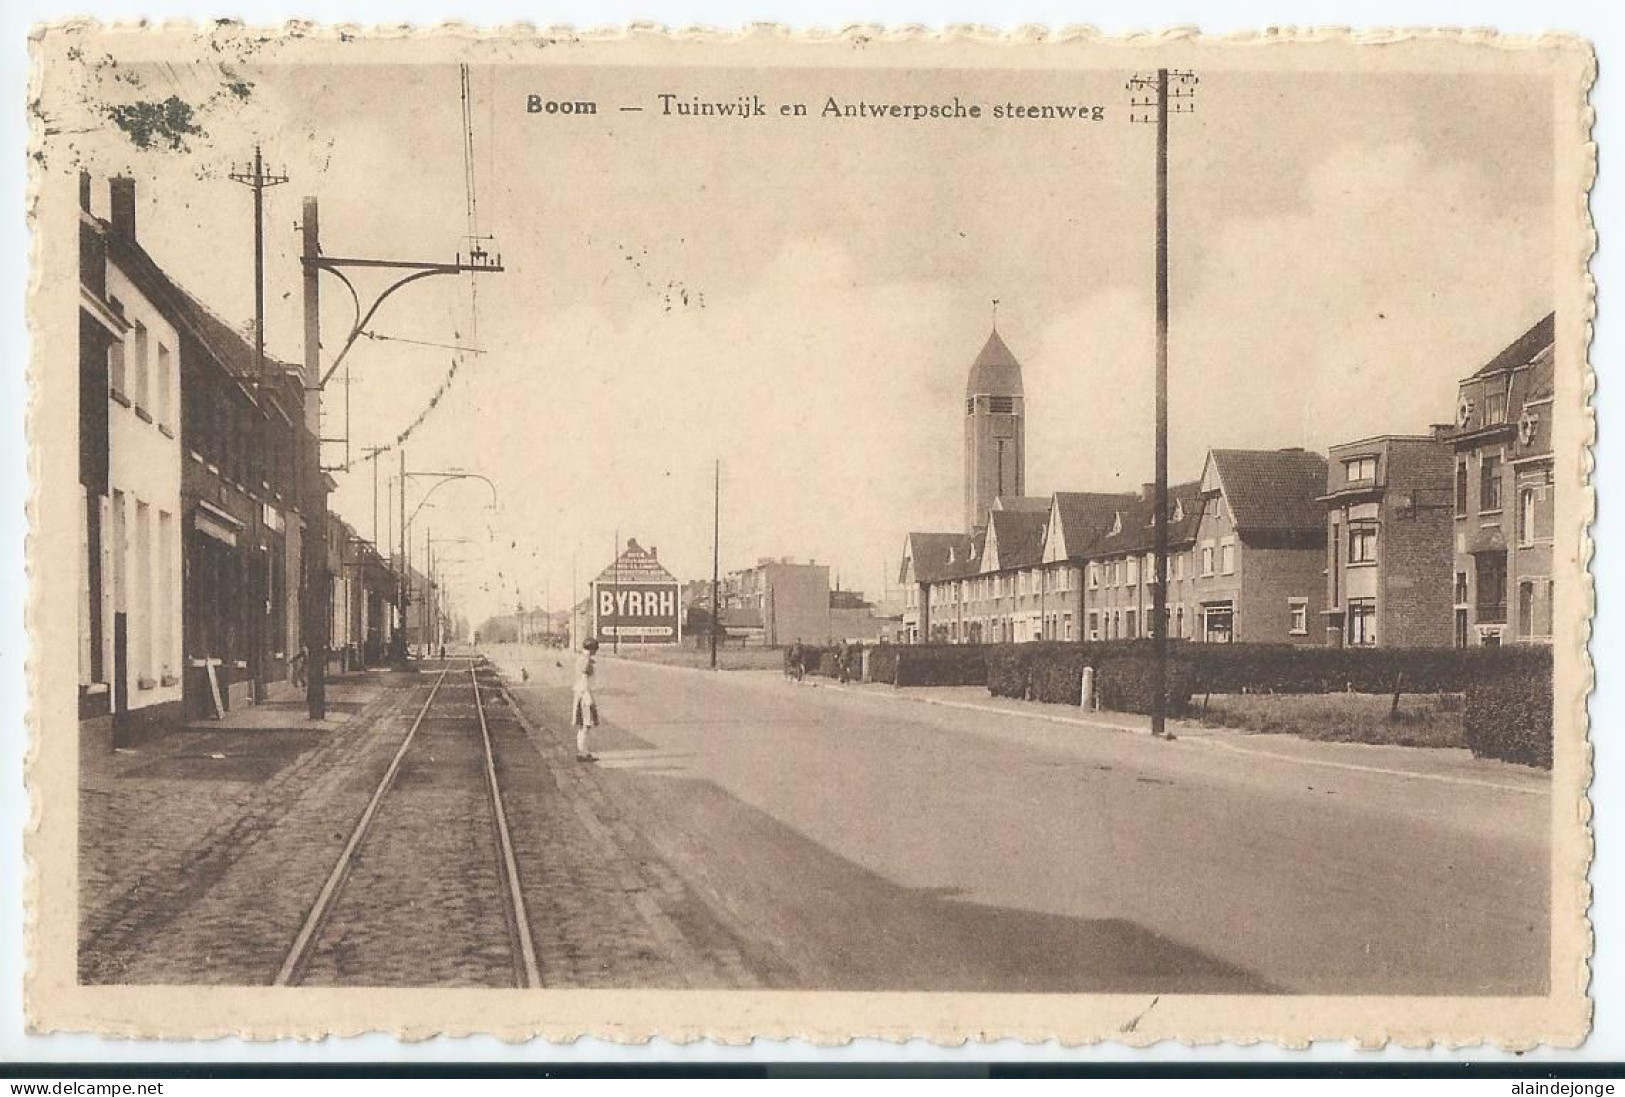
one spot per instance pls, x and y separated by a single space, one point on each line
853 840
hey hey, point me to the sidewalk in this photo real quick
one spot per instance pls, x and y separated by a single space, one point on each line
1423 764
153 818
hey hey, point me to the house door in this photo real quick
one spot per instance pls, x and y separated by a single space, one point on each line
121 665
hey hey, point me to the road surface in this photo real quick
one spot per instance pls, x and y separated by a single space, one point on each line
856 840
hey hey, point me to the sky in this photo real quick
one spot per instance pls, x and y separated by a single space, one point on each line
801 298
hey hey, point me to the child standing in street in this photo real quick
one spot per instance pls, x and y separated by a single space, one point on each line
584 709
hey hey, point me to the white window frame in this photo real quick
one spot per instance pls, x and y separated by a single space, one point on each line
1297 611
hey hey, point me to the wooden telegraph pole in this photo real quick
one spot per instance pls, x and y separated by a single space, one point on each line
1152 99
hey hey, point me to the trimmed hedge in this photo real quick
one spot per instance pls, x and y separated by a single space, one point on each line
1052 672
1127 683
1281 668
937 665
1508 715
883 662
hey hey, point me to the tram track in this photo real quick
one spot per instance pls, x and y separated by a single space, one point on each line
438 896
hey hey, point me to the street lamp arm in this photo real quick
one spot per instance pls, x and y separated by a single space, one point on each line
446 478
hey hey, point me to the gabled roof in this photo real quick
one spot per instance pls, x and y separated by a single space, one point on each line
995 371
1019 535
230 349
1524 348
1036 503
1085 516
938 556
1139 534
1273 490
635 564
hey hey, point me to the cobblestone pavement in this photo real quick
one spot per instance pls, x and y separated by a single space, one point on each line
203 852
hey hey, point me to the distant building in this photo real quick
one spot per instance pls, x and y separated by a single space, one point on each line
1259 550
1388 542
792 600
636 600
1504 496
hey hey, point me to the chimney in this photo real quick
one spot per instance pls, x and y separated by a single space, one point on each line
121 190
84 191
1148 490
654 552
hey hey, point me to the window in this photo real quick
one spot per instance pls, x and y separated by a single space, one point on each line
1207 559
970 405
1360 469
1495 408
1066 626
1362 544
1362 627
1227 558
165 388
1001 405
1461 588
1218 623
1094 626
1298 610
1489 483
1179 622
1131 624
1133 565
1094 575
1526 516
1526 609
1461 487
1179 565
116 379
139 395
1461 627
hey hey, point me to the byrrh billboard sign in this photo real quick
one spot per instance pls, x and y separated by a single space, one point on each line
636 600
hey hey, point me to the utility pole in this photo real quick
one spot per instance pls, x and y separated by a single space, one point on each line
404 651
258 179
313 608
716 561
373 452
1154 99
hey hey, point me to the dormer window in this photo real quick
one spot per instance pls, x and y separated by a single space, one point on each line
1117 525
1360 469
1179 510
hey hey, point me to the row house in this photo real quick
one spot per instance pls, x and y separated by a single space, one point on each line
1258 557
929 561
192 458
1246 562
1120 574
1388 541
1504 498
130 591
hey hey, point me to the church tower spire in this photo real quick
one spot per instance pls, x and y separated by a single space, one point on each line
995 429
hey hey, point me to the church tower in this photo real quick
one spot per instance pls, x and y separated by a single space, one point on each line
995 431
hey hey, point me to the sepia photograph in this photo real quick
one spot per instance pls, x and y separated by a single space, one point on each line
846 535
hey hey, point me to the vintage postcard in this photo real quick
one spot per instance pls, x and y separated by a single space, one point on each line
771 534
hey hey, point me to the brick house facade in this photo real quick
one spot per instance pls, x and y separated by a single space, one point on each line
1388 542
1259 550
1504 496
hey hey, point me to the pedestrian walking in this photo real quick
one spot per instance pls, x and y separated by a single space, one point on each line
584 710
